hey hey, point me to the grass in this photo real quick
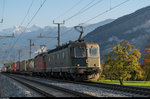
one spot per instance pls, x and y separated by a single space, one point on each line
145 84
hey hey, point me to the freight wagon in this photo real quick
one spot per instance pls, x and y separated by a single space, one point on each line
40 64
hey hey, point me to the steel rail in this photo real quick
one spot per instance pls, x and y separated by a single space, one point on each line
32 87
123 88
72 92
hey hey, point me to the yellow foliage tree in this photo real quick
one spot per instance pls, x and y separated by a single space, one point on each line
146 64
122 61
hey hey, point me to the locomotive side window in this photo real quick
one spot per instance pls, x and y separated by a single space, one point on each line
63 55
49 59
71 51
80 52
53 57
58 56
93 52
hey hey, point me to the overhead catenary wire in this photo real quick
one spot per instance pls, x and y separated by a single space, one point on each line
111 8
31 20
28 24
85 8
69 9
26 13
36 13
23 20
107 11
80 11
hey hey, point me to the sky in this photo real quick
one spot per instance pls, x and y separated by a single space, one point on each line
14 11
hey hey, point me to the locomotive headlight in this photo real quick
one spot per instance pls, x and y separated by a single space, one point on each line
78 65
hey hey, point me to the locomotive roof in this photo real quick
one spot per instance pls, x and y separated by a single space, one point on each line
66 45
58 48
81 42
40 54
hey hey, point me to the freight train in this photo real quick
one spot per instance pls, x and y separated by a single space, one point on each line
77 60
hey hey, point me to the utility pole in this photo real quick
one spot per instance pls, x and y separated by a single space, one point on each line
31 44
1 21
59 31
19 51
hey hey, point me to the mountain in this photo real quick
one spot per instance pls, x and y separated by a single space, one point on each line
134 28
67 34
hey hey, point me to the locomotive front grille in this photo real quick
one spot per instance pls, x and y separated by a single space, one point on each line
77 62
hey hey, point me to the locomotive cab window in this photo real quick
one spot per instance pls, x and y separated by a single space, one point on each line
93 52
80 52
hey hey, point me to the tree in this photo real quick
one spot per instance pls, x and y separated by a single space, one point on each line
122 61
146 63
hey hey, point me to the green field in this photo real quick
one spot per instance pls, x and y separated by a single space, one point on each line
145 84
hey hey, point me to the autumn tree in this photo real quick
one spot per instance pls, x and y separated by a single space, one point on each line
146 63
122 61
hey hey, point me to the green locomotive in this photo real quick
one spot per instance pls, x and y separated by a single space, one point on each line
77 60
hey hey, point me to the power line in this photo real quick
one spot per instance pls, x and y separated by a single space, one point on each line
25 15
59 31
80 11
111 8
70 9
28 23
116 6
27 12
36 13
106 11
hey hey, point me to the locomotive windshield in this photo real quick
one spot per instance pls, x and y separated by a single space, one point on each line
80 52
93 52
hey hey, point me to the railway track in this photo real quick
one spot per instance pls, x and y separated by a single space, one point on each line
115 87
122 88
47 90
128 89
133 91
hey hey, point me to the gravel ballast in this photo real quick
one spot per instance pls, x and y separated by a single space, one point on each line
11 88
98 92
